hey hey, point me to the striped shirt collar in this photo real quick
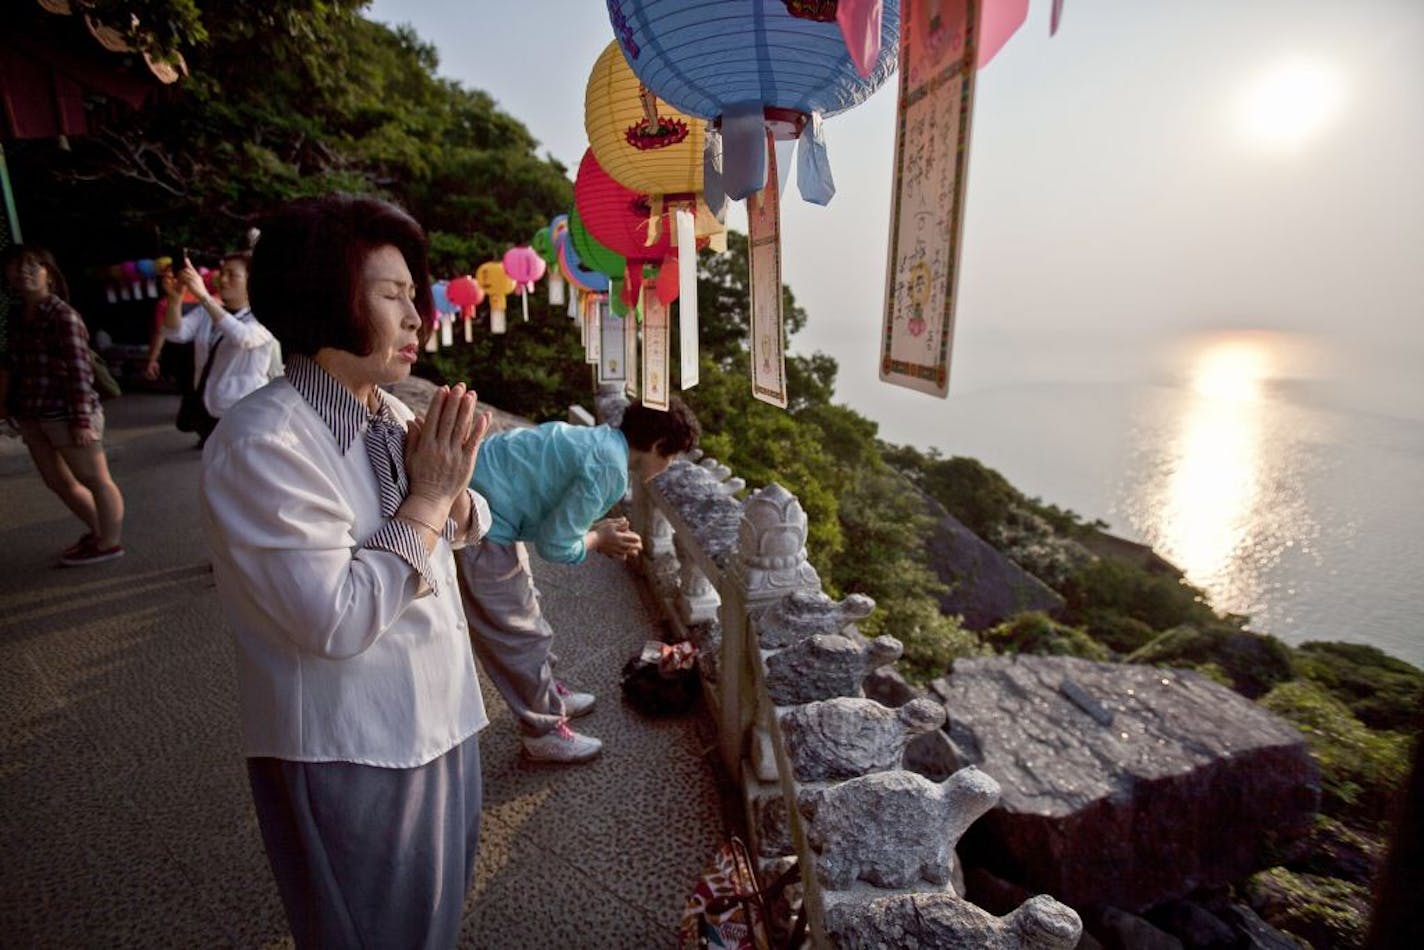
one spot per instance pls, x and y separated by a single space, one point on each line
344 414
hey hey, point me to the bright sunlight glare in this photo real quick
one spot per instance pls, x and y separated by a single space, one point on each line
1287 104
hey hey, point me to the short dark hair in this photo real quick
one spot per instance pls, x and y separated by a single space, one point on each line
666 433
42 256
244 256
304 280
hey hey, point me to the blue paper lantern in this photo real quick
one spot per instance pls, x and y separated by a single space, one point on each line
578 273
442 302
751 65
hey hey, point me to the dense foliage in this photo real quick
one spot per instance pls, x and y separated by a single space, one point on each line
285 100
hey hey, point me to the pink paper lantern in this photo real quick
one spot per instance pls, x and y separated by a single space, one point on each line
131 279
524 265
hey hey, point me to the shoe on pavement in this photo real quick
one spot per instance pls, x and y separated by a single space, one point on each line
78 547
561 745
575 703
92 554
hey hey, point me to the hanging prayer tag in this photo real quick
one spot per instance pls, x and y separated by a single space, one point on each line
447 330
469 329
612 368
593 309
630 346
655 351
687 328
927 210
764 257
497 322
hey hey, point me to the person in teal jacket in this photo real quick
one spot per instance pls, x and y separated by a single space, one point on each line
550 486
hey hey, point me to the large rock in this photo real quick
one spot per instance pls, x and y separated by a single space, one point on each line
416 394
943 920
984 586
1124 784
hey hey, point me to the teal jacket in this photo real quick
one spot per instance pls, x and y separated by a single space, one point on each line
549 484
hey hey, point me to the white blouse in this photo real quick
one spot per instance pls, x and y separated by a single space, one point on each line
241 365
344 654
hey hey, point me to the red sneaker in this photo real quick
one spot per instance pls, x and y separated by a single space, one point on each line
78 547
92 554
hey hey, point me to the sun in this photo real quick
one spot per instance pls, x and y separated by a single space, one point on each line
1288 104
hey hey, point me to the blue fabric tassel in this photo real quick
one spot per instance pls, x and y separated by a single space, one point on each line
743 150
813 164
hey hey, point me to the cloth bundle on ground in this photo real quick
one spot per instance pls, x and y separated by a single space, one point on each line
662 679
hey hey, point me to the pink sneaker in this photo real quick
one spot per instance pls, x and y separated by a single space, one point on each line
561 745
575 703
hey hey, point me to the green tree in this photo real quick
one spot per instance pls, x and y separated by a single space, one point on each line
285 100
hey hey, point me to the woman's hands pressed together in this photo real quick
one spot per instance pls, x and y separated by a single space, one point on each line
613 538
440 452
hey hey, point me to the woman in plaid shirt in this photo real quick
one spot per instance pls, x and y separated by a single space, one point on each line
52 400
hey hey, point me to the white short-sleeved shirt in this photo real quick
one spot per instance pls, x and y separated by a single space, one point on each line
349 649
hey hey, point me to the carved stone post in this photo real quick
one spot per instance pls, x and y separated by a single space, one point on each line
697 599
659 561
771 563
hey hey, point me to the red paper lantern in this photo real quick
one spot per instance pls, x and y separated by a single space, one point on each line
619 219
465 294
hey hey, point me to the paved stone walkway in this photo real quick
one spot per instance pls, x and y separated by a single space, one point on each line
125 819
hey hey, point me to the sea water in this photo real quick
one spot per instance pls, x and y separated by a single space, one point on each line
1282 472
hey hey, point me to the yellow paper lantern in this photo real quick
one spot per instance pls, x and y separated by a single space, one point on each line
646 145
497 285
643 142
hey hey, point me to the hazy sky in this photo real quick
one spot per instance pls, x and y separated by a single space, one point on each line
1155 168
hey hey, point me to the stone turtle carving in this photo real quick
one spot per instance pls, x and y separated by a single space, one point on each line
805 614
943 920
893 829
825 666
844 737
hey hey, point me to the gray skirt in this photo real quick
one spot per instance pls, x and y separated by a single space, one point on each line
367 856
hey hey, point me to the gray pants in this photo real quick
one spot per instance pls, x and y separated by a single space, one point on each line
511 638
367 856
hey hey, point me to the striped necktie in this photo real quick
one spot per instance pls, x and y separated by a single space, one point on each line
385 445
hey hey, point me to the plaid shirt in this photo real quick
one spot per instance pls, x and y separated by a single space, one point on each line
52 375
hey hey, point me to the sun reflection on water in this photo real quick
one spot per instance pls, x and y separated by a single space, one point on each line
1225 503
1216 473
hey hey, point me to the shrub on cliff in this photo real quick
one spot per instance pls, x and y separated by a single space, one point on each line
1325 911
1111 586
1255 662
1383 692
1041 635
1118 632
932 641
1360 769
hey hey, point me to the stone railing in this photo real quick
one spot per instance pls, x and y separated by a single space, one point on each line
819 767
